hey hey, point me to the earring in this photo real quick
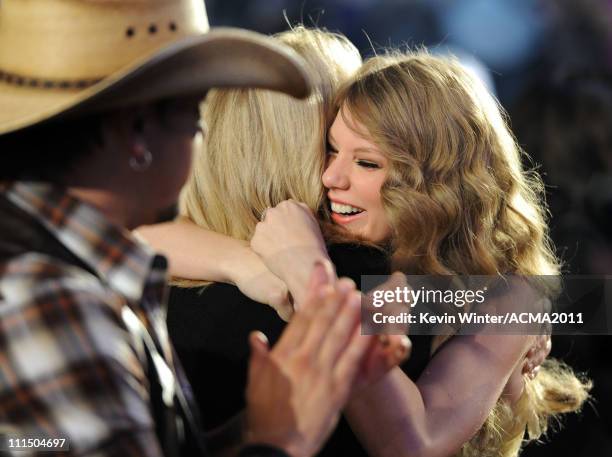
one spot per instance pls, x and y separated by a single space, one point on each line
141 161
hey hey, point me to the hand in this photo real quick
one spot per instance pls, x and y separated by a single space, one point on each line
530 367
536 355
288 225
296 390
289 241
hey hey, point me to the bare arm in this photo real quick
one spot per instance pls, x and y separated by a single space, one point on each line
199 254
453 397
446 407
193 252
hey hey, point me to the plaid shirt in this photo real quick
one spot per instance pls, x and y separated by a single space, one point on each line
70 364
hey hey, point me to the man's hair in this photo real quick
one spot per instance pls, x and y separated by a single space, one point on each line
50 151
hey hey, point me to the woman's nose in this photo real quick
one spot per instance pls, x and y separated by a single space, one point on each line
336 173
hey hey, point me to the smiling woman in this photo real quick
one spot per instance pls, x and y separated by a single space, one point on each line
459 202
421 150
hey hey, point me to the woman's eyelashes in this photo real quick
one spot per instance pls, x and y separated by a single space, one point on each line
367 164
333 152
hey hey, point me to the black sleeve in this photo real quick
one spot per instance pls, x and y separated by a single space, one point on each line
261 450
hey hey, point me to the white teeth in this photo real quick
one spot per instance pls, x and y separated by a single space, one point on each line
344 209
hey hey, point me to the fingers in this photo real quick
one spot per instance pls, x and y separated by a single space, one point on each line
348 364
324 324
536 355
397 350
396 281
386 352
340 332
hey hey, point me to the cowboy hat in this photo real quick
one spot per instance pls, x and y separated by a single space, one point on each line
69 57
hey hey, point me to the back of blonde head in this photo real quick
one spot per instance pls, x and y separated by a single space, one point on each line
263 147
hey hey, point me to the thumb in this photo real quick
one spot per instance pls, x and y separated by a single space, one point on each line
258 342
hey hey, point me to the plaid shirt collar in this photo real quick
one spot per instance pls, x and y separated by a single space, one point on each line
129 267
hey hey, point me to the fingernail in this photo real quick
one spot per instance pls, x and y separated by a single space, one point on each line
261 337
405 341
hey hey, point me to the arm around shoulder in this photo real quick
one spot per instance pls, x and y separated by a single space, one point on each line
194 252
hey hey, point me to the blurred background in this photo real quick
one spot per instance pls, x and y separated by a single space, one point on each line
549 63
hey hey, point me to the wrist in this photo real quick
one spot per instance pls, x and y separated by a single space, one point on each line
234 265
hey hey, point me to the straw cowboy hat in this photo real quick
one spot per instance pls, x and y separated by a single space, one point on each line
68 57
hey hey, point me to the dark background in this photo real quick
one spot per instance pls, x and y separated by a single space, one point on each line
548 61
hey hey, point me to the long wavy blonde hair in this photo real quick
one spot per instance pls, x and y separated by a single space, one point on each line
264 147
459 202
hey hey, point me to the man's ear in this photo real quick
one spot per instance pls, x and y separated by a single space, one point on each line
123 132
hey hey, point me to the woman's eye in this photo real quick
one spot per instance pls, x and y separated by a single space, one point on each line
366 164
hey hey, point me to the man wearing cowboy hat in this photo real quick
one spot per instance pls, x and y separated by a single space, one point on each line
98 116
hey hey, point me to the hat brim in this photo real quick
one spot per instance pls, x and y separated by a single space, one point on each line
223 57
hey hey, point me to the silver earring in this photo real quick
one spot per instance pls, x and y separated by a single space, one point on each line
141 162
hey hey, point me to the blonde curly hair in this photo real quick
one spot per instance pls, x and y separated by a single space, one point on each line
459 202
